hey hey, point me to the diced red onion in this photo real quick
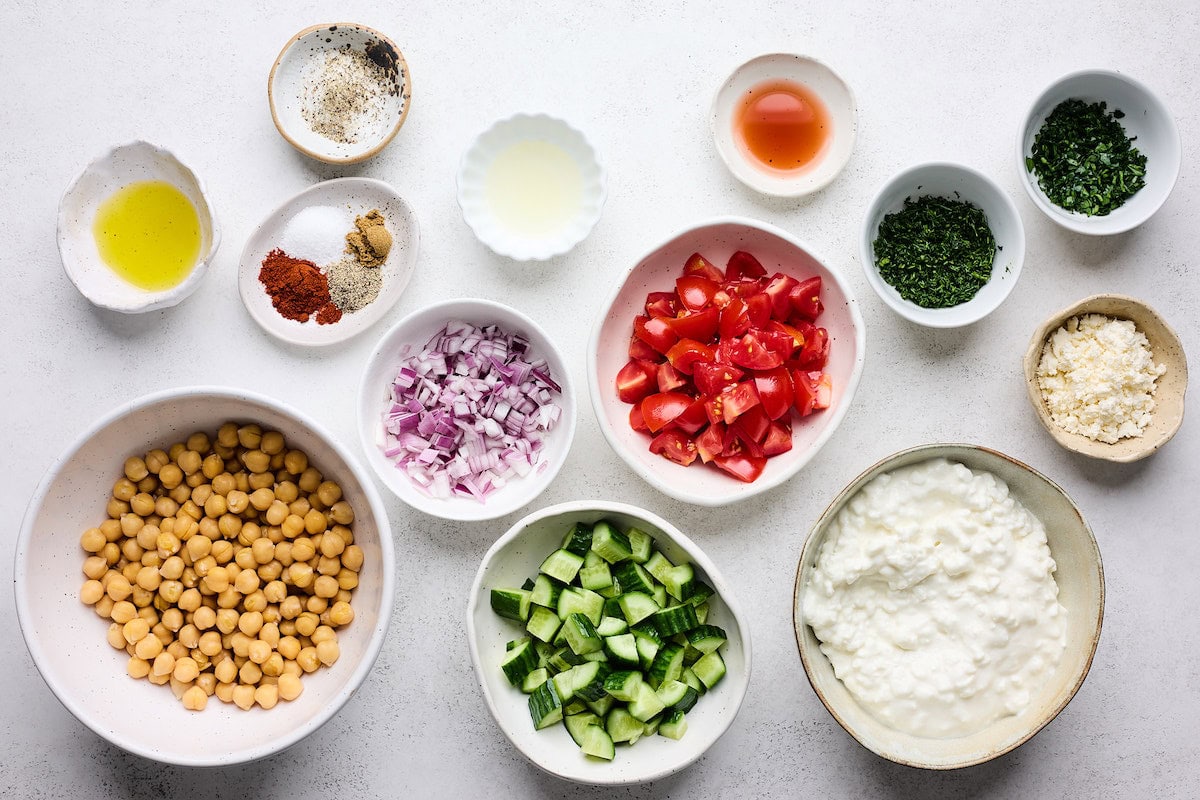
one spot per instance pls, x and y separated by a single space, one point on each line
470 412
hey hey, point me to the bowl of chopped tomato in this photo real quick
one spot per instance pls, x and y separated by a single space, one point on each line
725 360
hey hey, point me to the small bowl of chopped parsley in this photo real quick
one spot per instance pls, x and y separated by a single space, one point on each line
942 244
1098 152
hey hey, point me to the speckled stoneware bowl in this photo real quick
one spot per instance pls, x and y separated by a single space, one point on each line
1146 117
119 167
1080 579
296 74
608 351
514 557
1170 388
66 639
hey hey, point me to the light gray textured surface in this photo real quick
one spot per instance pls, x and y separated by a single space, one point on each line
944 81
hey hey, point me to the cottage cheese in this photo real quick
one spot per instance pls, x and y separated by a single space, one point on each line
1097 377
934 599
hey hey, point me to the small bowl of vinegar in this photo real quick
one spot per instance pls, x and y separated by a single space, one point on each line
784 124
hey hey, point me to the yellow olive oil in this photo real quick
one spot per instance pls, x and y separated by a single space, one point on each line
534 188
149 234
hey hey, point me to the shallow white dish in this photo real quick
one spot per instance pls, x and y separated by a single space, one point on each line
957 182
472 195
409 336
121 166
1146 117
823 82
357 196
608 351
294 74
514 557
67 639
1080 579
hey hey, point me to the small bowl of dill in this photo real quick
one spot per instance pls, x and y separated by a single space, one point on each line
942 244
1098 152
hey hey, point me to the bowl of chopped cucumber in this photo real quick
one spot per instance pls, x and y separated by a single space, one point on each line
609 648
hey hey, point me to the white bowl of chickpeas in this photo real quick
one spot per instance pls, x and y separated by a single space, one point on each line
205 577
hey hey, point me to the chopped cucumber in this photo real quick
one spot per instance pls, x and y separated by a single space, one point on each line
633 578
636 606
646 703
562 565
680 582
564 685
603 705
688 676
612 626
710 669
563 659
597 577
622 650
674 726
597 743
577 722
543 623
667 665
545 707
581 636
519 662
545 591
589 680
675 619
609 543
622 726
702 613
511 603
701 591
535 679
657 565
706 638
672 692
581 601
641 544
622 685
579 539
690 696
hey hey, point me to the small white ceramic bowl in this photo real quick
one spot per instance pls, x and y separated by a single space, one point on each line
295 82
478 212
957 182
1080 579
1146 117
352 197
514 557
1170 388
608 351
119 167
825 84
67 640
408 337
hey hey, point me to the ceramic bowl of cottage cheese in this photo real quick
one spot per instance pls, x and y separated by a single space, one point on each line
948 604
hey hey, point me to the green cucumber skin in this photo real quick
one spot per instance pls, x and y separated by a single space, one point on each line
710 669
511 603
578 539
609 543
641 544
562 565
676 619
545 706
519 662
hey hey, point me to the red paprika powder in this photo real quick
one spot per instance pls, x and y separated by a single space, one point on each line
297 288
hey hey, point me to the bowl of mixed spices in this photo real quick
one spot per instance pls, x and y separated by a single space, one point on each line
329 262
1098 152
942 244
339 92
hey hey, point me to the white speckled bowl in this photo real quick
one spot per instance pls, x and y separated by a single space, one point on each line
119 167
825 84
409 336
1170 388
1146 117
67 639
472 199
354 197
293 74
608 351
1080 578
514 557
957 182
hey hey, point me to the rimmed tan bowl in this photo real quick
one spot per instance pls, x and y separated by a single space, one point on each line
1080 579
1171 386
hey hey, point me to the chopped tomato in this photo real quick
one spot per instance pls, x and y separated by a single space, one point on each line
778 289
660 409
751 353
639 349
743 265
815 352
743 467
661 304
699 325
737 400
686 354
805 299
710 443
778 342
734 318
783 327
636 380
674 446
669 378
693 418
774 391
698 265
758 308
696 292
753 424
824 392
636 420
814 391
655 332
778 439
738 442
712 378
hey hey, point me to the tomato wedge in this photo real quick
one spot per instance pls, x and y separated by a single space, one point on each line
698 265
778 289
751 353
735 320
815 352
693 418
655 332
696 292
743 265
686 354
669 379
814 391
636 380
775 391
780 343
674 446
778 439
737 400
743 467
805 299
698 325
639 349
710 443
710 378
753 425
661 304
660 409
758 308
636 420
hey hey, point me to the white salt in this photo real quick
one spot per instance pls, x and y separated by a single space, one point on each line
317 234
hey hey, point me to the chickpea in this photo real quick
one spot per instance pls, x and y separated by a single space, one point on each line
308 659
342 512
255 481
186 670
222 551
210 643
274 592
118 588
332 545
226 671
204 618
116 508
266 696
328 652
243 696
341 613
149 647
148 484
135 469
195 699
315 522
247 581
306 623
255 602
263 550
250 623
325 587
249 436
293 525
91 592
137 667
290 687
250 673
224 483
300 507
134 630
190 462
94 567
170 475
148 578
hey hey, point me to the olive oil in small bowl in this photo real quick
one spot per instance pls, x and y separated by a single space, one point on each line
135 230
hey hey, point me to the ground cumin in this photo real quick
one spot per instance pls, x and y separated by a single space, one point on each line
370 243
297 288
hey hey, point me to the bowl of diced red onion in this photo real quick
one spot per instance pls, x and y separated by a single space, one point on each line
725 360
466 410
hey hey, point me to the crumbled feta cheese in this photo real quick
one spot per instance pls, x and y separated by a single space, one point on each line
1097 377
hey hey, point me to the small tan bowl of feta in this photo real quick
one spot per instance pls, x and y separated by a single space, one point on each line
947 605
1107 377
